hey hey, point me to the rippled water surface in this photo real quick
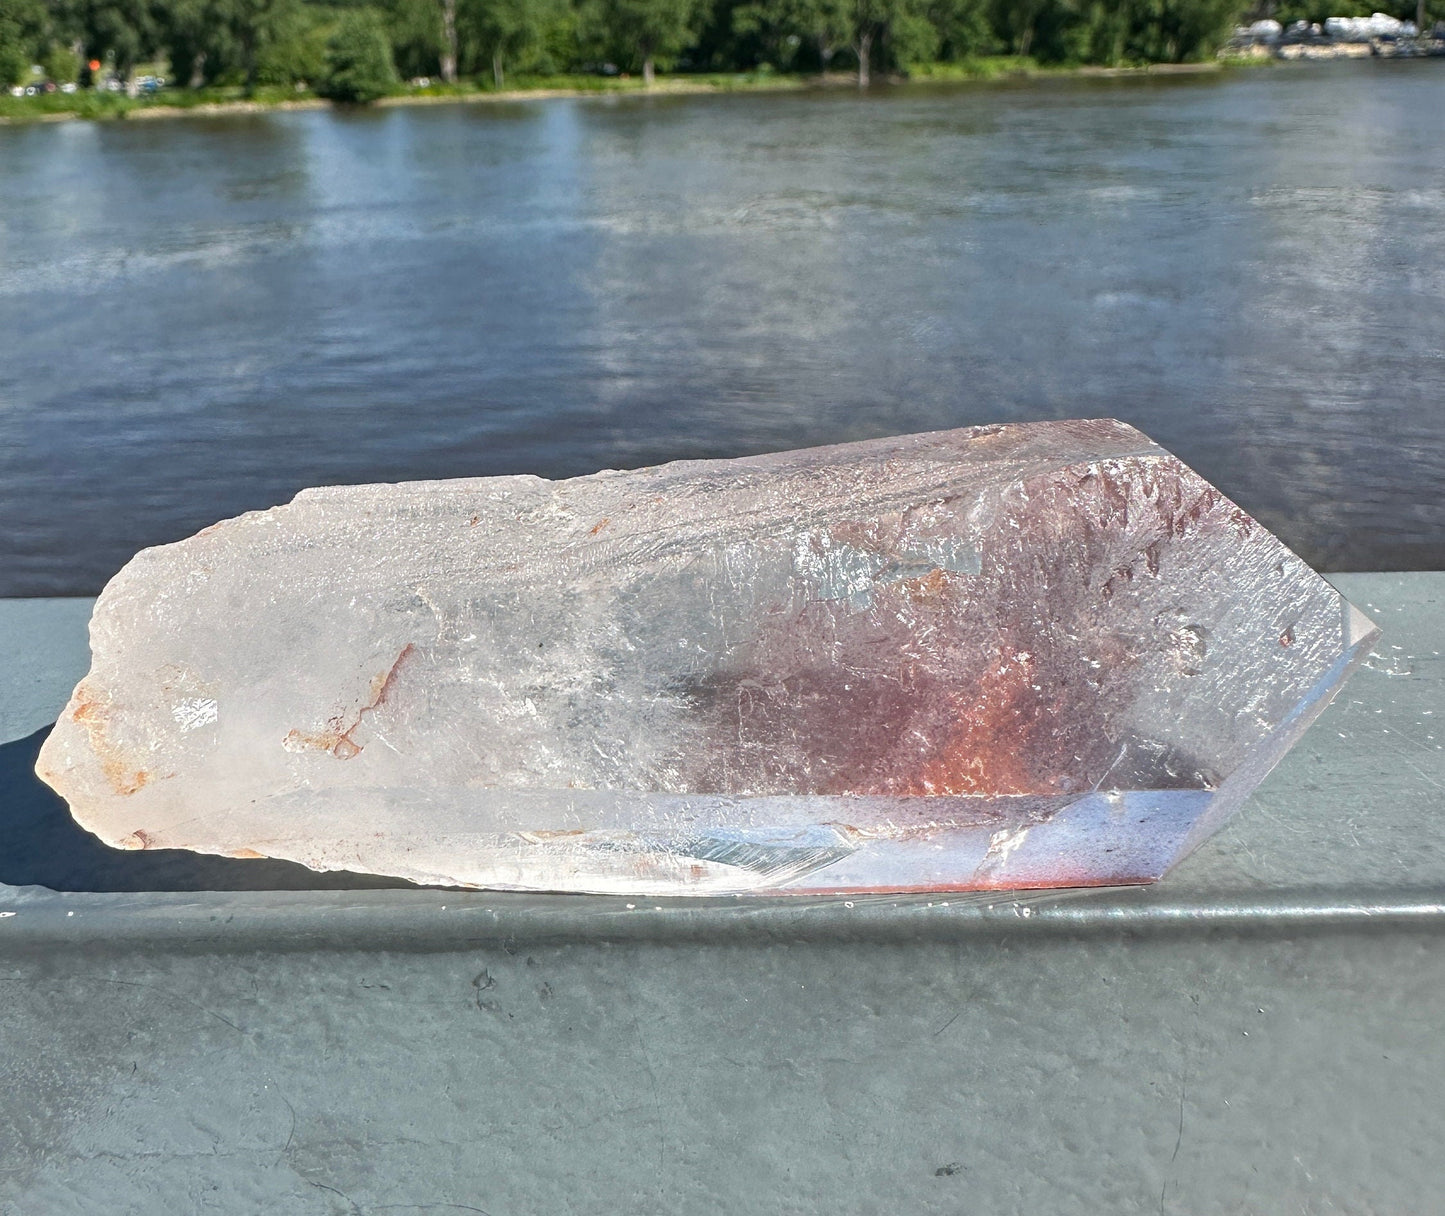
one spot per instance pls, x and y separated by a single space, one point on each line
201 316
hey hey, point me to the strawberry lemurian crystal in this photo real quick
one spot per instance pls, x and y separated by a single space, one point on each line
992 658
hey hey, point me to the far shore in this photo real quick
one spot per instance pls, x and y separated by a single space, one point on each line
113 107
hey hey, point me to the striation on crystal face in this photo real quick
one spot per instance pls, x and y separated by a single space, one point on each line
991 658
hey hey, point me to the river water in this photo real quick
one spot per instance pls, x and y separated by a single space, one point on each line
201 316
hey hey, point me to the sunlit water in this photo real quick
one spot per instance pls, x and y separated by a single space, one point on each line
201 316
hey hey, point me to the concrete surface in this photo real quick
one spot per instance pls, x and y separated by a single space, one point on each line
1258 1033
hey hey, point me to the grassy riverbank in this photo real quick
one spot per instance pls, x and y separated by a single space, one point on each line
96 104
55 107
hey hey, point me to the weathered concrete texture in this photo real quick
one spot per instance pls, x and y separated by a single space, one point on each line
1260 1032
42 655
1061 1076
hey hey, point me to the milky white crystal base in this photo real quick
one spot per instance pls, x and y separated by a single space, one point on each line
993 658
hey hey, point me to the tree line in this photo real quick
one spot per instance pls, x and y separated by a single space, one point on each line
355 51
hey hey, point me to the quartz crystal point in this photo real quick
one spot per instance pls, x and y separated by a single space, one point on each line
993 658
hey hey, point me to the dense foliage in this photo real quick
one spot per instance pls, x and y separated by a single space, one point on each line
348 49
359 64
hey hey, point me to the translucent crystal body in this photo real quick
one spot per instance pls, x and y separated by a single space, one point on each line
999 657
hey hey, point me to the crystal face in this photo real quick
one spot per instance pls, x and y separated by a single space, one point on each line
991 658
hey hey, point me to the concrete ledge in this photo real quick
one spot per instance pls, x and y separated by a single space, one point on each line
433 921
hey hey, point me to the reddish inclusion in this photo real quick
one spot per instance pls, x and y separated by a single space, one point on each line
984 751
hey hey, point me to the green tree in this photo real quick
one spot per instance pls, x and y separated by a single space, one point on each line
823 24
194 41
22 24
61 63
359 66
415 28
296 51
1024 25
1189 29
1097 31
722 44
644 33
126 32
1290 11
257 42
1119 32
249 42
761 24
253 28
504 30
962 27
562 47
449 41
873 22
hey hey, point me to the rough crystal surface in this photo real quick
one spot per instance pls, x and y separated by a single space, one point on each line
997 657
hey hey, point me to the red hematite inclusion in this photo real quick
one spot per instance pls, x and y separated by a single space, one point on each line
1002 680
1005 656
